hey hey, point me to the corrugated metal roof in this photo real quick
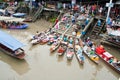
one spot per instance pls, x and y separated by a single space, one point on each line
9 41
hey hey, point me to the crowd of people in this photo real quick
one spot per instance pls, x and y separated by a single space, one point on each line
9 24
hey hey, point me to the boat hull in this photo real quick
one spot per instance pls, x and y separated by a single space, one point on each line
23 26
12 54
95 60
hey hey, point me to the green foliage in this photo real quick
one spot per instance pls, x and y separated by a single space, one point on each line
1 0
52 19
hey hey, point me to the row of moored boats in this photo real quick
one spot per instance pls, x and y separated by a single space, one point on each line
71 46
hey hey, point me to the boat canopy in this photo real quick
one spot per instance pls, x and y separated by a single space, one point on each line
9 41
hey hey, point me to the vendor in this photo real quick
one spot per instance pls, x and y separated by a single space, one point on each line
100 49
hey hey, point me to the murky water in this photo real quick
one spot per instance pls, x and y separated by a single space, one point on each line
40 64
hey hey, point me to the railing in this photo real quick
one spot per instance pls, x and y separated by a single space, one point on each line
37 14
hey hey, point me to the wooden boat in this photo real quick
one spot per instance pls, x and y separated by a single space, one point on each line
89 50
22 26
70 53
37 38
79 54
108 58
35 41
62 48
53 37
44 41
44 38
19 15
13 25
70 50
54 46
11 46
90 54
78 47
28 20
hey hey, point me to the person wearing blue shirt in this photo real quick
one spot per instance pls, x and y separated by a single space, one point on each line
99 23
86 21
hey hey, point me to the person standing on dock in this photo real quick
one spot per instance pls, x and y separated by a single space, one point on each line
99 23
73 19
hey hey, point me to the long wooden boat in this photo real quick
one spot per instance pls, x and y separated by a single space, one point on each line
62 48
28 20
109 59
70 50
63 45
11 46
91 54
38 38
70 53
42 37
22 26
55 45
79 54
19 15
13 25
52 38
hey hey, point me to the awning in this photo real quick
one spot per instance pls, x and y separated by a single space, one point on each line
115 33
117 2
9 41
11 19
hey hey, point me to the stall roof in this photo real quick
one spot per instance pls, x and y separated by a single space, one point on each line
11 19
117 2
9 41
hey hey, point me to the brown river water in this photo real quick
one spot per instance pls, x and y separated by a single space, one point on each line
40 64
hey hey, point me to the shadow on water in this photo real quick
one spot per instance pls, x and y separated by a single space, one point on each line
52 53
33 46
20 66
69 62
60 58
81 66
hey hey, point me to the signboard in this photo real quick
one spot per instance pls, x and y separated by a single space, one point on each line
109 4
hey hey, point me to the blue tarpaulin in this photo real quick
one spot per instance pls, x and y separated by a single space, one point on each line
9 41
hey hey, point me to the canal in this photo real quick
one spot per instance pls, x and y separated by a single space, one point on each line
40 64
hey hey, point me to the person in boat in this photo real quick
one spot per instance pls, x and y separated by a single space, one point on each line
50 30
67 26
14 23
36 35
56 36
77 41
118 64
89 42
86 21
65 39
61 49
111 60
75 28
79 50
7 13
100 50
18 51
99 23
70 42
